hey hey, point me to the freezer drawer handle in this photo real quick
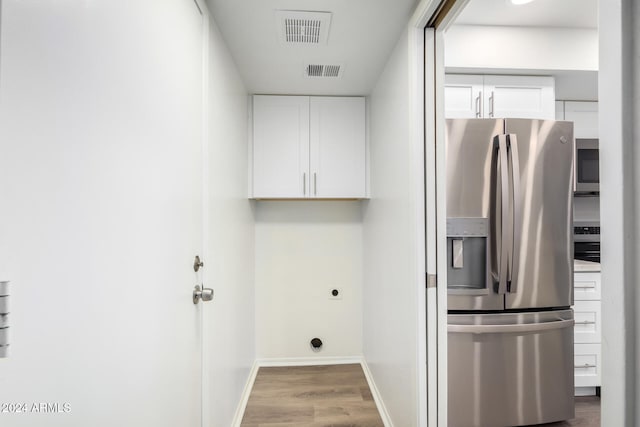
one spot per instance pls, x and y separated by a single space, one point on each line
585 366
505 329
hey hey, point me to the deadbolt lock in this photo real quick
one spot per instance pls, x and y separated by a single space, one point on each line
197 264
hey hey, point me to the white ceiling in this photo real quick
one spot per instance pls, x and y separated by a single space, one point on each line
362 35
538 13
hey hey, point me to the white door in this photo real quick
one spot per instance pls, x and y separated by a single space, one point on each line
101 211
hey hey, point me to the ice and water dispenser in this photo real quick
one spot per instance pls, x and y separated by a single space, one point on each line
467 260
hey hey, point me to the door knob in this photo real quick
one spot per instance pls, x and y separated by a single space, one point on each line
204 294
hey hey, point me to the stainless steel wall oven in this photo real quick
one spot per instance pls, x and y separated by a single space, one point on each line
586 240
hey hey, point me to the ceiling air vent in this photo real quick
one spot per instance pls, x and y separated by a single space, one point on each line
317 70
303 28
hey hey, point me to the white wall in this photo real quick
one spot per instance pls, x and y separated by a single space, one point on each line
390 243
633 27
303 249
229 323
476 46
619 112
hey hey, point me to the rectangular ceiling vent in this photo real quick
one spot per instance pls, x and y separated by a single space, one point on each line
303 28
317 70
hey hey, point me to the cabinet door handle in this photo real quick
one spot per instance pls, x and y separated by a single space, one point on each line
585 366
584 287
586 322
315 184
491 104
304 184
478 104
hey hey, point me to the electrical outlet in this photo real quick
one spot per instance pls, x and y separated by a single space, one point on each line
335 293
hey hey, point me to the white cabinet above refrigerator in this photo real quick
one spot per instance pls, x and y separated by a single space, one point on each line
492 96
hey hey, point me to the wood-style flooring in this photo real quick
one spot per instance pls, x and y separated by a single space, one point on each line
339 396
587 413
311 396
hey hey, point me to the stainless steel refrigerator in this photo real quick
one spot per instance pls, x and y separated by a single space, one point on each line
510 271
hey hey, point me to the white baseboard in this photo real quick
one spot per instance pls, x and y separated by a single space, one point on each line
308 361
584 391
244 399
386 419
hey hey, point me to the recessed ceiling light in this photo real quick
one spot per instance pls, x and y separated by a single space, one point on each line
519 2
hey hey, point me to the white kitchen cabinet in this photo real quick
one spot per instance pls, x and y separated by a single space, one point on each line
473 96
587 365
584 115
308 147
586 286
588 321
525 97
463 96
587 335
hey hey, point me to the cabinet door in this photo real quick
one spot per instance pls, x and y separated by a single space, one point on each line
280 146
560 110
337 149
587 365
462 96
524 97
586 286
588 321
584 116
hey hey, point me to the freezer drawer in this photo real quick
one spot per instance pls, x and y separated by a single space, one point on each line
510 369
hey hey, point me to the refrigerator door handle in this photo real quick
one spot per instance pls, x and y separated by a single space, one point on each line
515 228
500 142
513 328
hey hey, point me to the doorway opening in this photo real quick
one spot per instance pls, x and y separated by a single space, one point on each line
481 49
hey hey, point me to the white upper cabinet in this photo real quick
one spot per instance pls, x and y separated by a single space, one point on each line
280 146
523 97
463 96
337 147
584 115
526 97
308 147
